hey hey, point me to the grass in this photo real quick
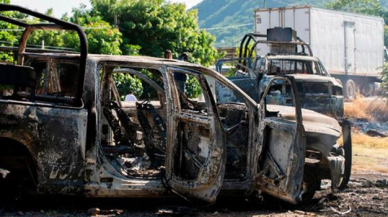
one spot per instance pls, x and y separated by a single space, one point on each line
370 153
363 140
371 109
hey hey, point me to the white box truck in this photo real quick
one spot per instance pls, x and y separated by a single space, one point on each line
351 46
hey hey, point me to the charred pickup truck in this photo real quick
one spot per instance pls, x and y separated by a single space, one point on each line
64 130
288 55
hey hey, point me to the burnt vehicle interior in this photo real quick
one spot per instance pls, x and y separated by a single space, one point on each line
38 78
134 134
237 122
278 66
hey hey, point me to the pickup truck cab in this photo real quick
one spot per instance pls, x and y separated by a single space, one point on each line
318 91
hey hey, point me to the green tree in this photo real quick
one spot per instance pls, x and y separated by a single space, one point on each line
9 37
102 37
155 26
126 83
384 77
368 7
45 39
386 36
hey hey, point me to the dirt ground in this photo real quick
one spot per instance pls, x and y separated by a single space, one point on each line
367 195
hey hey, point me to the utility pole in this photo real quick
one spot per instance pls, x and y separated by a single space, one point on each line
264 3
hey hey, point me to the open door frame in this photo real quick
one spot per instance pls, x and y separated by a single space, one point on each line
208 182
281 164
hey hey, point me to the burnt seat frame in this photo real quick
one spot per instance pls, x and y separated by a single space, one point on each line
19 77
52 24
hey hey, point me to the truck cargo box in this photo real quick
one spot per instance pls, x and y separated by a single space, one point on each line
347 43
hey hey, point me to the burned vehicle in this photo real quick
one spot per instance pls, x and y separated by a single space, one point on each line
318 91
289 56
66 131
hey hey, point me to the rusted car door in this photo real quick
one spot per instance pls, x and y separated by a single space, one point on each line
195 155
281 164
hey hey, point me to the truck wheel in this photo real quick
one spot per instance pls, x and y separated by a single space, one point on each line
350 89
347 146
309 186
367 89
7 191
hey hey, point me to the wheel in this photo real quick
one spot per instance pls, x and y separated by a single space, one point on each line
347 146
309 185
350 89
3 197
7 190
367 89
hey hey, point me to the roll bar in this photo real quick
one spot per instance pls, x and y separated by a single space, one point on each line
54 24
246 53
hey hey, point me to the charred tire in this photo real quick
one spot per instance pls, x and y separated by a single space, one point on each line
15 158
350 89
3 189
10 191
309 185
347 146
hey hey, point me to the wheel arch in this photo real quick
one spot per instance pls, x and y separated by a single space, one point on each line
16 155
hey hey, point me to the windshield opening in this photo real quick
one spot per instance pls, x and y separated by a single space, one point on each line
290 66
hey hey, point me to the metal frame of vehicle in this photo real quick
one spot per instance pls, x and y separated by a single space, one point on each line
53 24
56 143
254 83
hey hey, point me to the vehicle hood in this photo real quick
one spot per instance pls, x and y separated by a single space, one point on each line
315 78
313 122
321 131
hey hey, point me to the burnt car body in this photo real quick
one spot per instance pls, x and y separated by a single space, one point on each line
318 91
66 131
289 56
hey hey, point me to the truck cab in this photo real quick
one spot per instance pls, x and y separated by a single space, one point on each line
318 90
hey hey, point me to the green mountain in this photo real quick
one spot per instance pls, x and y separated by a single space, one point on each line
230 20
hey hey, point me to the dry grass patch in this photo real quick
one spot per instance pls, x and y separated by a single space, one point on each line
363 140
370 153
371 109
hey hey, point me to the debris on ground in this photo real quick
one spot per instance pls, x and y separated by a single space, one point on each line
179 210
375 133
4 173
93 211
366 195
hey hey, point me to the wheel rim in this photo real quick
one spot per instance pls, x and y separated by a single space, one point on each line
350 89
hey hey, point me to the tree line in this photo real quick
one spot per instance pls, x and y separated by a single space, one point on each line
132 27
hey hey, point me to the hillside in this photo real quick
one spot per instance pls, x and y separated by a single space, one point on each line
229 20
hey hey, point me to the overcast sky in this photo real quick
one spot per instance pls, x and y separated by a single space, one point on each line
62 6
